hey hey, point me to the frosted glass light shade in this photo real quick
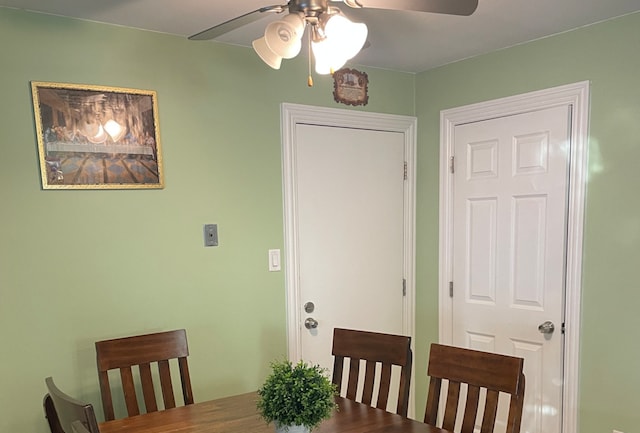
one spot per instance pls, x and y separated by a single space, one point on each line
266 54
295 20
327 60
343 40
284 36
346 36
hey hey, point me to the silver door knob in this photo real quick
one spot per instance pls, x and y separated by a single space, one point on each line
546 327
310 323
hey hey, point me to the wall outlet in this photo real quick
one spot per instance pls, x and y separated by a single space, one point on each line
616 431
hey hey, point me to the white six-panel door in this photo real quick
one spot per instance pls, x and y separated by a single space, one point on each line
509 233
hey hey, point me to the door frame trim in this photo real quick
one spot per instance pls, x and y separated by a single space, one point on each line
576 96
294 114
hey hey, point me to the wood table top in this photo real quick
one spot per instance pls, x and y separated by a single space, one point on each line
238 414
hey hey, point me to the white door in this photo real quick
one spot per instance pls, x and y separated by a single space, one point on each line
509 237
350 232
349 235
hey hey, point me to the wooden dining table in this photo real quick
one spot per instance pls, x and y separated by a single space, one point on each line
238 414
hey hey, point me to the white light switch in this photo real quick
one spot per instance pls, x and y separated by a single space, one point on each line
274 260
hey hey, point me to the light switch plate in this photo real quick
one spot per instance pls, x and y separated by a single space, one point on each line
274 260
211 235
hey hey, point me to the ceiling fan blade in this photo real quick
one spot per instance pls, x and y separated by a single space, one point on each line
451 7
234 23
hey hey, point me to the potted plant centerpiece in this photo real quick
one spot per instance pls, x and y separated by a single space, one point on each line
297 398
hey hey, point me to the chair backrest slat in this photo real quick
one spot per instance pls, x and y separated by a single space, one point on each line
471 408
451 409
62 410
380 352
144 351
354 374
478 370
369 379
490 411
385 386
185 378
129 389
165 383
147 387
433 397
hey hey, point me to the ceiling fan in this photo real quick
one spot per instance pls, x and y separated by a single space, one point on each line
333 38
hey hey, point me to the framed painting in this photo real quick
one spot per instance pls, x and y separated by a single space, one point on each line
97 137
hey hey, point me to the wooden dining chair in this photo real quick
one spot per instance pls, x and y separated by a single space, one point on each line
61 410
485 376
379 352
143 351
51 415
78 427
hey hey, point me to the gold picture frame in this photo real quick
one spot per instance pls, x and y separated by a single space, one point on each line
351 87
97 137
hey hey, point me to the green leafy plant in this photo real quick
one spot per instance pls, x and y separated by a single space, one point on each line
298 394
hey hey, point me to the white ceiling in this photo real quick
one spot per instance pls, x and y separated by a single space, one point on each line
400 40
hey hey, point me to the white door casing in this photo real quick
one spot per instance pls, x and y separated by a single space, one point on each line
572 99
353 162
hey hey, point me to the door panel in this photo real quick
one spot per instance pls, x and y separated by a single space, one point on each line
348 183
349 194
509 234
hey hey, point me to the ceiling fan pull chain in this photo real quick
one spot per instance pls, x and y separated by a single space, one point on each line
309 78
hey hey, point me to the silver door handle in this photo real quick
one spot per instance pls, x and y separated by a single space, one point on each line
310 323
546 327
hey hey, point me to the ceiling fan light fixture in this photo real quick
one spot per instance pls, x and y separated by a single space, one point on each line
335 41
326 59
296 20
341 39
284 36
345 36
266 54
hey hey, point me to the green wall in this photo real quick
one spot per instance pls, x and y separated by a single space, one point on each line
79 266
607 55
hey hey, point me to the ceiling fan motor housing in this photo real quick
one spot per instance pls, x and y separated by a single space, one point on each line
310 8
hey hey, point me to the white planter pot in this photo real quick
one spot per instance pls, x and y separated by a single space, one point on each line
291 429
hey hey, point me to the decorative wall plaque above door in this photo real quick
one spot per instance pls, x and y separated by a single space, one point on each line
350 87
